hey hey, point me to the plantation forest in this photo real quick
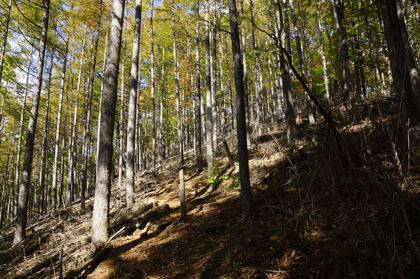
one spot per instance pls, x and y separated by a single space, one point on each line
209 139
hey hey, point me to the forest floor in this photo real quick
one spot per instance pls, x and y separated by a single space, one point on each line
317 216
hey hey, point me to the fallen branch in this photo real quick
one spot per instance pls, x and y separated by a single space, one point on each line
45 263
127 216
90 263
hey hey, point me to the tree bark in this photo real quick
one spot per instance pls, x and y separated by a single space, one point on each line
42 204
209 115
86 136
21 219
197 121
152 74
22 117
121 128
338 8
405 77
5 36
178 109
57 131
246 192
131 128
100 222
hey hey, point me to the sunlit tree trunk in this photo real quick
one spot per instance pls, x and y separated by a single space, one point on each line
179 114
122 120
86 136
197 121
209 114
20 224
100 221
152 90
22 116
57 130
213 62
131 128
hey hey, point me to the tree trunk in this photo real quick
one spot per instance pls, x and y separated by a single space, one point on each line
178 109
246 192
152 76
57 131
197 122
100 100
86 136
100 222
338 8
246 91
209 114
63 148
131 128
22 116
299 51
213 59
285 76
4 45
121 128
21 219
42 208
405 77
323 56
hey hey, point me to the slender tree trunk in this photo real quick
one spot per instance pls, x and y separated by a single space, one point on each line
256 72
209 114
42 208
57 131
131 128
152 74
100 222
299 51
86 136
246 92
246 192
121 129
100 100
197 118
323 56
213 59
21 219
22 116
63 148
178 109
286 80
222 87
161 153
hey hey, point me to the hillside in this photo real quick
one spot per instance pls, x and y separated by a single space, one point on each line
316 216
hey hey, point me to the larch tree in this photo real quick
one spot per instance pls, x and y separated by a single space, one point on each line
100 221
21 218
197 118
179 121
57 130
246 192
132 108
